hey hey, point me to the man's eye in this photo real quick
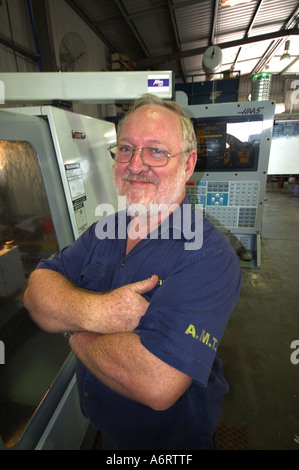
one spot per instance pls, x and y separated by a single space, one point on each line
158 152
125 149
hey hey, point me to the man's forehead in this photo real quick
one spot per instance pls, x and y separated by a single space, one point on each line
154 109
152 120
154 113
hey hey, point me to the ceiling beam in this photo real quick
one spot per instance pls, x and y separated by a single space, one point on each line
44 37
290 65
254 18
292 20
157 60
89 23
171 13
267 56
187 3
23 51
275 45
217 5
132 27
248 32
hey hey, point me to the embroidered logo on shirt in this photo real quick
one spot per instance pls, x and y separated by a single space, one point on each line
204 337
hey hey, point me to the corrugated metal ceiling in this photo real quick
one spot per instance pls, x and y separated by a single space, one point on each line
174 34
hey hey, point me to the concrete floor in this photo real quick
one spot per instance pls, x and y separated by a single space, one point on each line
264 383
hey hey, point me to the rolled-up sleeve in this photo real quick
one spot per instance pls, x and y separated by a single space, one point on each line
187 316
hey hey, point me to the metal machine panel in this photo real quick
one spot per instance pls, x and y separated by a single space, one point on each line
85 165
95 87
66 423
34 221
229 181
51 167
16 127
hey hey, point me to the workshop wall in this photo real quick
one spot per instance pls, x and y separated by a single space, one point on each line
18 47
67 30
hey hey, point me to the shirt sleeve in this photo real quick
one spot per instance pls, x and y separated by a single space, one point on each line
187 316
69 260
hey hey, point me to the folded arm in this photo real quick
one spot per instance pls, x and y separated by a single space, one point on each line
126 366
57 305
104 339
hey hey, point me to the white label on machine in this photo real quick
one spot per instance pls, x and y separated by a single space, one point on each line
78 195
158 83
76 188
81 220
75 181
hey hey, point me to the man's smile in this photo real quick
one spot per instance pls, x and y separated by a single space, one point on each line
139 180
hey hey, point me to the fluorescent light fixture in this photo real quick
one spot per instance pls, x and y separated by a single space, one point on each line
231 3
286 54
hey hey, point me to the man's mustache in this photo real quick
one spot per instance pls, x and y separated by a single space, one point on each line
140 179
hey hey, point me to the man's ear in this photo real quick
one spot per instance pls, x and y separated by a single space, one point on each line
190 164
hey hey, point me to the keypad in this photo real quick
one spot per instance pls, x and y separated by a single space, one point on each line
244 193
247 217
227 203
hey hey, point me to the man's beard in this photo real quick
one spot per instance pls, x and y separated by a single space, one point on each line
169 194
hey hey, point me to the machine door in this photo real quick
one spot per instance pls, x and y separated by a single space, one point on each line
35 367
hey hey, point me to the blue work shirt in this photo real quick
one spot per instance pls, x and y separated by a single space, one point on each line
183 326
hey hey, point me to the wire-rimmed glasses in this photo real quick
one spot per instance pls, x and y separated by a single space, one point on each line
151 156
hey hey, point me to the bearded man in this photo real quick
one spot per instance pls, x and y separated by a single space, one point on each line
145 315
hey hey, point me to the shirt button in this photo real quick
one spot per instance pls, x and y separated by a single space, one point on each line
122 264
86 395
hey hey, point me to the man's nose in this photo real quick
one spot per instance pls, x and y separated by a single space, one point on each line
136 163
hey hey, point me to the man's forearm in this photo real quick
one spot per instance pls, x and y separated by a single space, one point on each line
57 305
122 363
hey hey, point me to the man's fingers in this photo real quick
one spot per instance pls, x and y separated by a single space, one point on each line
141 287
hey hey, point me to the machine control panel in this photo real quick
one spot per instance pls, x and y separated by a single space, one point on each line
230 175
231 204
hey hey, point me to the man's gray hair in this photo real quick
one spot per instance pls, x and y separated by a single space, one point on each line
189 139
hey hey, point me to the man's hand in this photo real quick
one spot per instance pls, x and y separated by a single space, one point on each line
126 305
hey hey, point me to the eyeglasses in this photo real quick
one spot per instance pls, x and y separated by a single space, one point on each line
150 156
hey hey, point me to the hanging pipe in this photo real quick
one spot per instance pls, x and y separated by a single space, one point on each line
34 35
